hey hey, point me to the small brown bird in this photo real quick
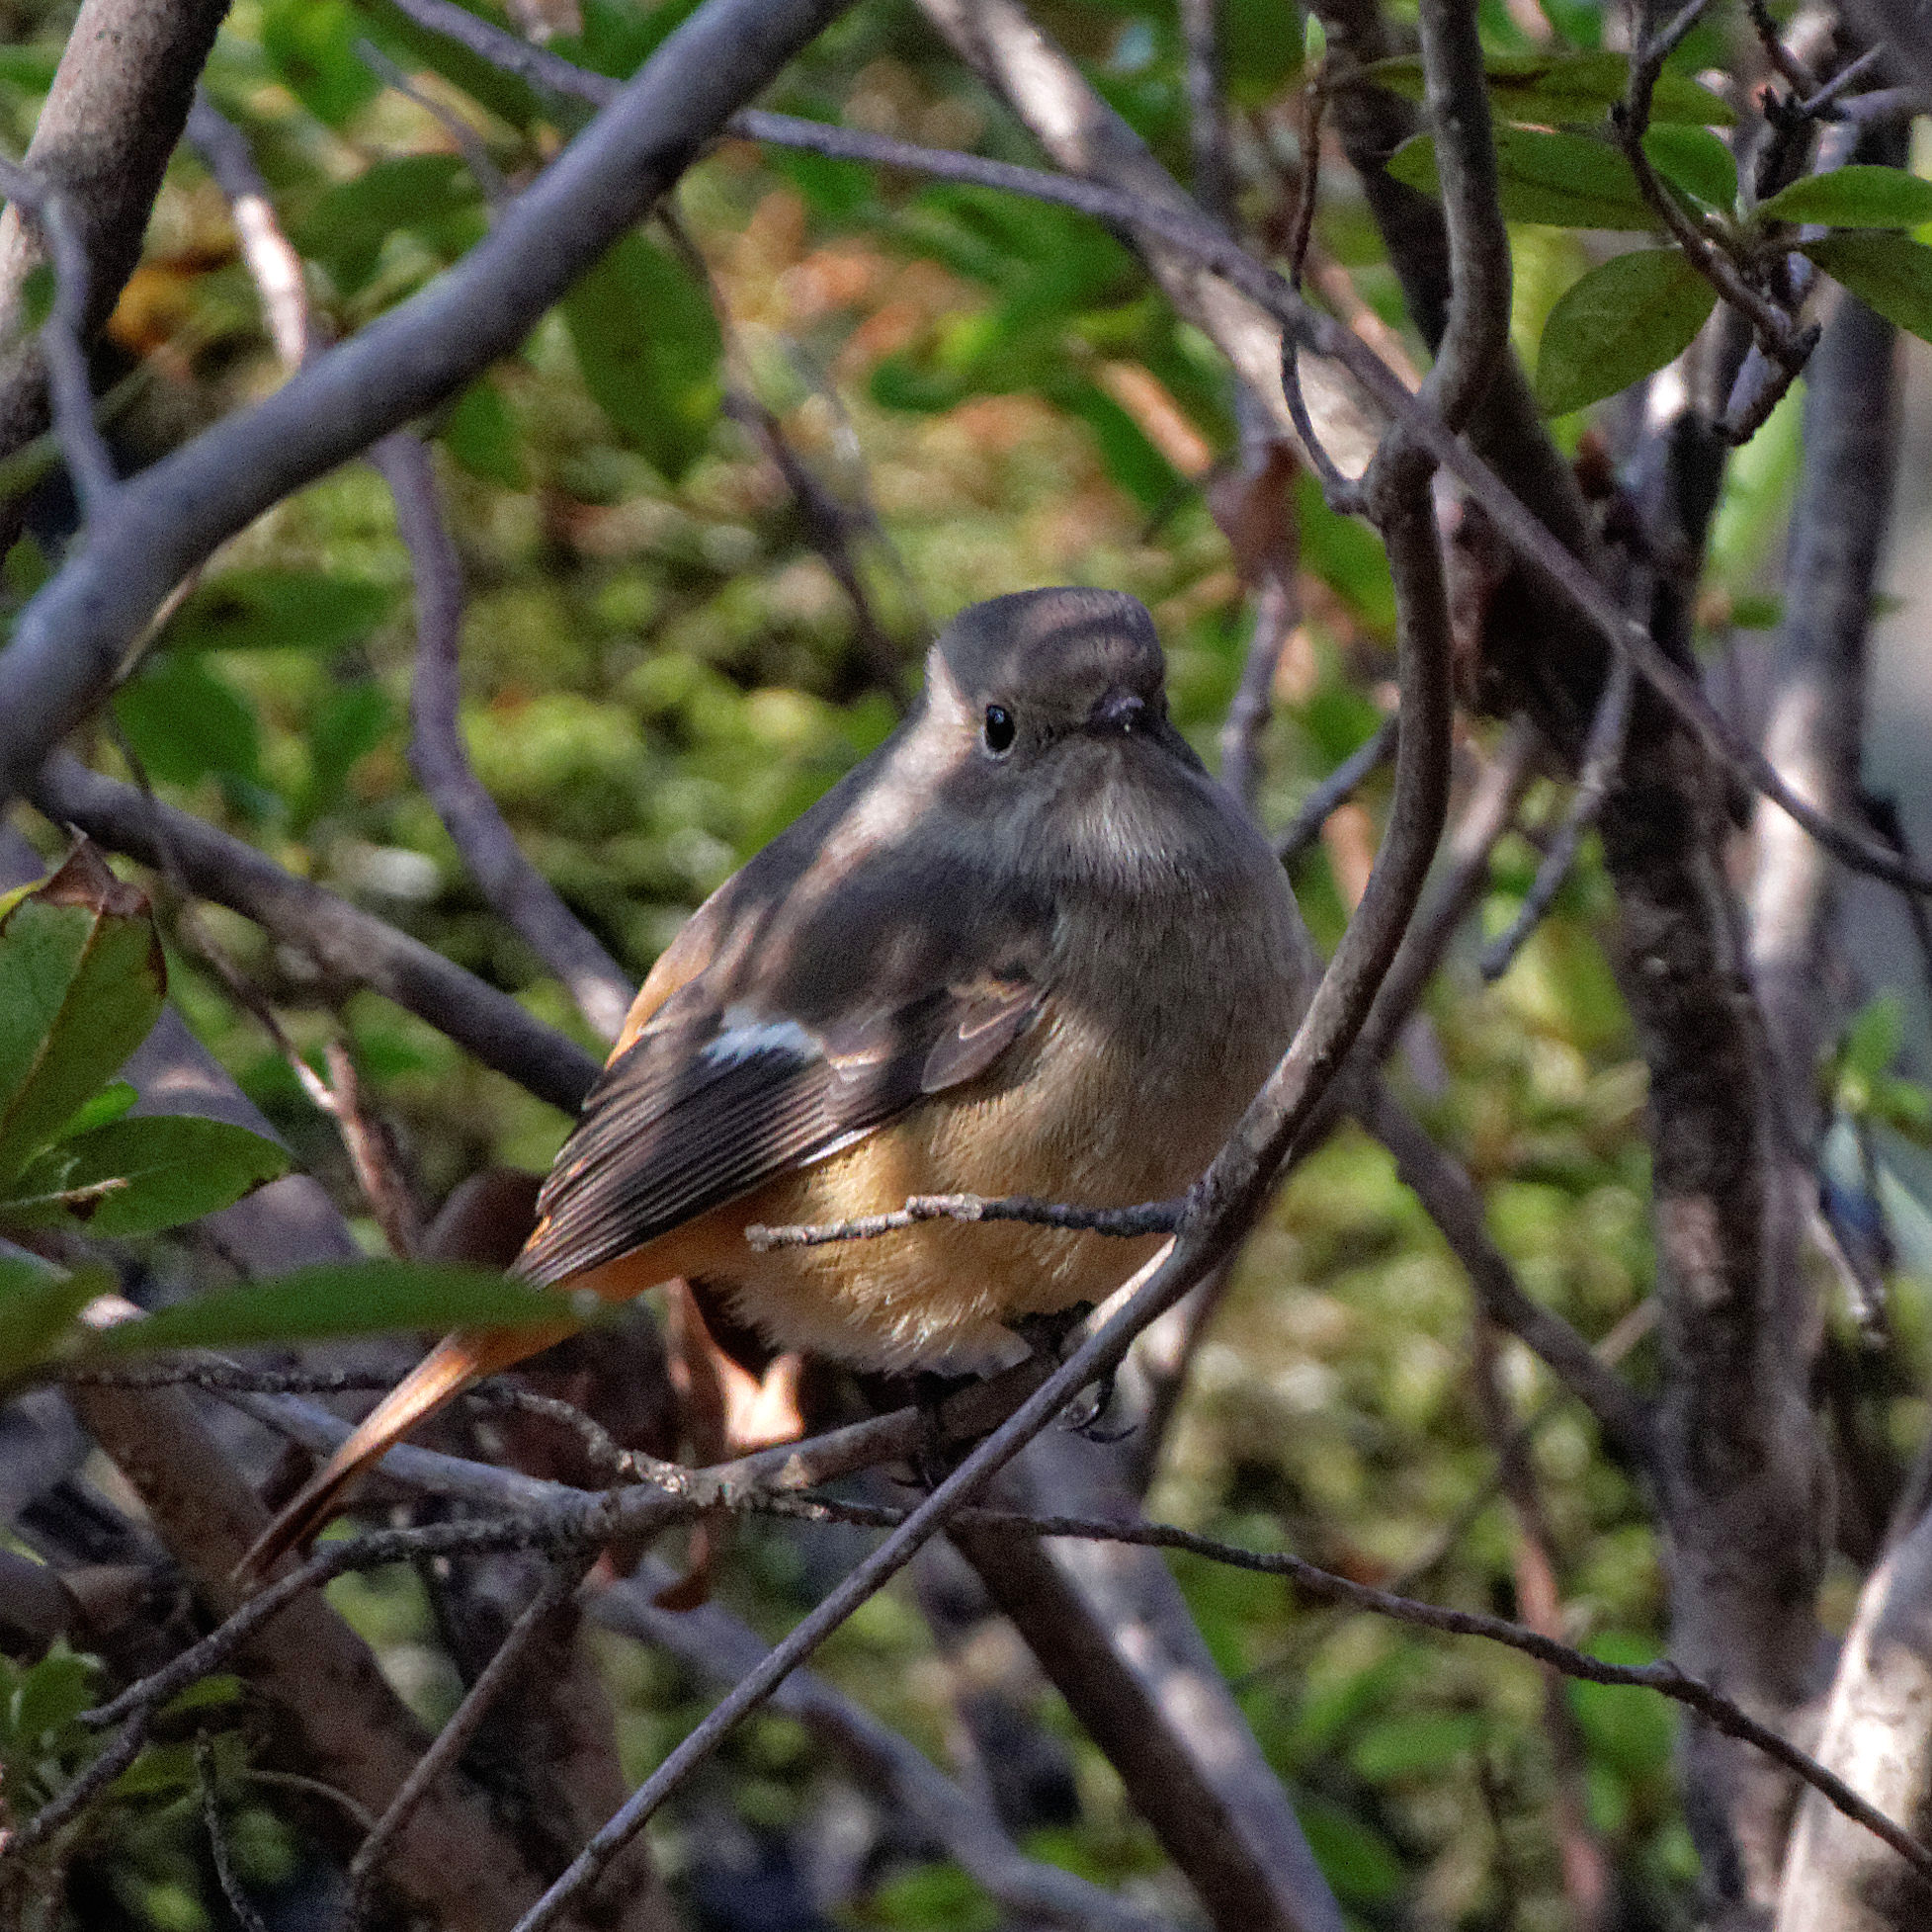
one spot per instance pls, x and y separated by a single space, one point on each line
1026 947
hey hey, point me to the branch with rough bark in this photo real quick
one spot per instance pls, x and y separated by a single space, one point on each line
118 106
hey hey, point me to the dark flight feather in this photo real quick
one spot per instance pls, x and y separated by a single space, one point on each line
681 1122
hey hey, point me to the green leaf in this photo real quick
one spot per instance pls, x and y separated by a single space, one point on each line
618 39
1628 1728
279 610
1131 460
52 1694
1854 196
1617 324
109 1104
482 434
343 1298
186 722
1873 1037
311 46
1354 1858
1415 1745
1891 274
1697 161
1259 56
211 1693
433 197
81 982
37 1307
1563 180
647 343
160 1769
351 721
138 1176
1556 89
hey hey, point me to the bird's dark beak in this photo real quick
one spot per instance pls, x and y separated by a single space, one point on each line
1120 713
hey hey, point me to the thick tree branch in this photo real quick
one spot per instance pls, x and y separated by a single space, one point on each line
65 653
1816 732
116 108
528 901
347 944
1877 1738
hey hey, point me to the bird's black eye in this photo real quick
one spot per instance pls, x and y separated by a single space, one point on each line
999 729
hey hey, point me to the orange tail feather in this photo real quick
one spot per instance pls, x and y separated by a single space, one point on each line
458 1361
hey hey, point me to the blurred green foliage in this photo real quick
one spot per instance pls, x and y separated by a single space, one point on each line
659 671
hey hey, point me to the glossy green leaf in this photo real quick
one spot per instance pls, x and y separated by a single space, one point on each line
311 46
1617 325
81 982
113 1101
1697 161
647 343
482 434
317 611
342 1299
1563 180
186 721
1854 196
138 1176
1559 89
1891 274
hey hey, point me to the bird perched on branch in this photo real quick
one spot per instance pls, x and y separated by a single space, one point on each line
1026 947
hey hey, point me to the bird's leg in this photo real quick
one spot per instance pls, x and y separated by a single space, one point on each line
1085 1418
1048 1335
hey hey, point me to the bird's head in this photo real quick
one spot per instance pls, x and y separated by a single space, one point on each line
1032 676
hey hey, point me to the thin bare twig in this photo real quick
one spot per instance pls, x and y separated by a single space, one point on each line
1812 106
1777 332
1130 1224
470 143
1212 179
1325 799
63 338
714 1644
454 1739
828 522
73 1798
273 263
226 1875
1784 63
1277 611
1602 756
372 1155
1456 1208
535 910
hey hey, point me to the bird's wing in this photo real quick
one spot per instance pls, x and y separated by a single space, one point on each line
699 1111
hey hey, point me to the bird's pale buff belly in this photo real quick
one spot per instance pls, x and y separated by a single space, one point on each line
1134 1122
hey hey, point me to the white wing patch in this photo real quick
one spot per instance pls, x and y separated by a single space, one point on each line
742 1038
